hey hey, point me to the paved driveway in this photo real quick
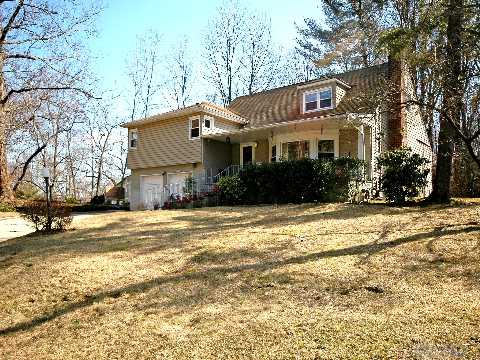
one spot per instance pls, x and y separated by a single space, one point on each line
15 226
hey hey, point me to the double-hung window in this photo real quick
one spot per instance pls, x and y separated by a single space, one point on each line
296 150
194 128
133 139
326 150
317 100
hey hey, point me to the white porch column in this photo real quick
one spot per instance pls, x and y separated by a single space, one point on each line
361 143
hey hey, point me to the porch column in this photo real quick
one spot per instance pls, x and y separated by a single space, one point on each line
361 143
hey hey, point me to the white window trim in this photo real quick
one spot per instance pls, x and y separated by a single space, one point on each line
253 145
200 123
212 122
317 91
312 136
279 155
132 131
335 146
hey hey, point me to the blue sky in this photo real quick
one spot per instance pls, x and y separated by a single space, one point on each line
123 20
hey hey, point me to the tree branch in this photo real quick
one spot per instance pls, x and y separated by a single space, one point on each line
24 90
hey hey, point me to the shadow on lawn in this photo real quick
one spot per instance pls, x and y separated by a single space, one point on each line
199 223
218 273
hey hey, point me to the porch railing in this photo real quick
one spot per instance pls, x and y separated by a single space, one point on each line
228 171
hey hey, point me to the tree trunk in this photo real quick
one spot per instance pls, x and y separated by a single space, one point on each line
452 102
6 193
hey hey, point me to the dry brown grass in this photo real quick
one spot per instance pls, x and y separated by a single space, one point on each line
290 282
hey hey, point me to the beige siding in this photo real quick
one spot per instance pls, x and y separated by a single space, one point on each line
216 155
224 125
235 154
348 143
164 143
261 152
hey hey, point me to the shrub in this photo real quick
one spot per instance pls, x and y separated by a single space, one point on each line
98 200
404 174
36 213
190 184
297 181
27 191
71 200
231 189
6 207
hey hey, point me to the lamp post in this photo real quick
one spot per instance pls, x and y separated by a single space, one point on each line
46 176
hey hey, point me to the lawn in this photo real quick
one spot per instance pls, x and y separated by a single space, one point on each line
289 282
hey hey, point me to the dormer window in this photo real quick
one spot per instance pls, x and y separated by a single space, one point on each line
317 100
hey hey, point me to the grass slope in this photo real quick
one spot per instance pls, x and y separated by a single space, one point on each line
290 282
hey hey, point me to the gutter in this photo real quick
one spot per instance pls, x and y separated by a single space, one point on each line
200 107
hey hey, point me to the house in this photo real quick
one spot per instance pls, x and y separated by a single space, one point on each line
118 193
323 118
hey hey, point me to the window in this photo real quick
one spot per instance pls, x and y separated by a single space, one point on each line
194 128
311 102
326 150
274 154
133 141
317 100
207 122
296 150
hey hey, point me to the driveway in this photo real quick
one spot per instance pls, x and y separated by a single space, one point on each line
15 226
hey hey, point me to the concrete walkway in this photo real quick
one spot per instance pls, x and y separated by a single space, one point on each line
15 226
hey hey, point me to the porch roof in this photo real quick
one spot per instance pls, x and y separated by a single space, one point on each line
264 131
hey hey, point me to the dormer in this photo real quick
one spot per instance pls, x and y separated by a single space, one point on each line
321 95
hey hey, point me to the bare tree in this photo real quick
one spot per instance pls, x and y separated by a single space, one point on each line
260 60
179 70
143 73
295 68
40 50
223 50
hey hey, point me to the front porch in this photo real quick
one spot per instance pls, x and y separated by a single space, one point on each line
315 139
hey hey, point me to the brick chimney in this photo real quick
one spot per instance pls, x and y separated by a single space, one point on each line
396 111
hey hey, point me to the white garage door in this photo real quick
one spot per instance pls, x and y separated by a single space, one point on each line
152 191
176 182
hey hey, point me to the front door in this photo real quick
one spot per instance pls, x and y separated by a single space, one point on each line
247 154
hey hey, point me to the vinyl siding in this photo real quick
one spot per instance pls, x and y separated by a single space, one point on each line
262 152
216 155
223 125
348 143
165 143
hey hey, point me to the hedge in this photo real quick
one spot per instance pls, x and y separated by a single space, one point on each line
296 181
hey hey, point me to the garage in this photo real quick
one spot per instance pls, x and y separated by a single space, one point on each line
152 191
176 182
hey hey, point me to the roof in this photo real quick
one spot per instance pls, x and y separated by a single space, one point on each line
203 107
284 104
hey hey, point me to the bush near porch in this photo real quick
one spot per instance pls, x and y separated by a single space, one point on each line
296 181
